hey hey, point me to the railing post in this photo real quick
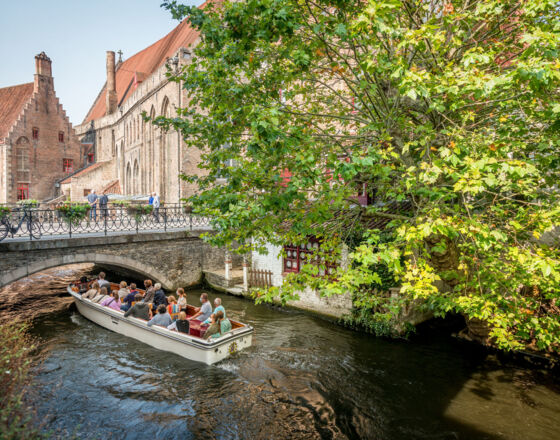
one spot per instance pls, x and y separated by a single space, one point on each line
190 221
105 213
245 274
30 224
70 227
165 219
136 220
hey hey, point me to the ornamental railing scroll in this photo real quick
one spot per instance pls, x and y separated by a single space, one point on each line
105 221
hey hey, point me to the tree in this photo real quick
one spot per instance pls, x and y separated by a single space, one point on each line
447 112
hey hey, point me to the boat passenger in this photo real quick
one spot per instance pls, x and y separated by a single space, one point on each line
101 295
204 311
181 324
83 284
150 292
172 308
218 307
162 318
130 298
112 301
220 326
102 281
92 292
159 296
140 309
123 290
181 299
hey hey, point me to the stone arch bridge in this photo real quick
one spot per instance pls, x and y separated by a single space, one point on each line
174 259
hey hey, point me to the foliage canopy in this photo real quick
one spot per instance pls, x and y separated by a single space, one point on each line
447 112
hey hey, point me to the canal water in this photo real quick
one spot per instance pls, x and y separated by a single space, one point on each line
304 378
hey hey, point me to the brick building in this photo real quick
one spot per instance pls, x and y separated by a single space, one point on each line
127 155
38 145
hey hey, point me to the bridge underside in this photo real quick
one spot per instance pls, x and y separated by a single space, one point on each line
174 259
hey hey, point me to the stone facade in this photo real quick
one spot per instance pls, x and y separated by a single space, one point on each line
142 157
175 259
38 145
309 300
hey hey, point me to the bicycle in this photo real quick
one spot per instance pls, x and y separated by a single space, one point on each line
33 226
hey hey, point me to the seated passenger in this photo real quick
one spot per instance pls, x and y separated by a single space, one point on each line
159 296
112 301
92 292
172 308
204 311
123 290
218 307
139 310
181 299
162 318
130 298
215 327
83 284
101 295
150 292
181 324
102 281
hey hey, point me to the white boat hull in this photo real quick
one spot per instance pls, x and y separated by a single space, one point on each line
190 347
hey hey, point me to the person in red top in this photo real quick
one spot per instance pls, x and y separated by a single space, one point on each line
172 308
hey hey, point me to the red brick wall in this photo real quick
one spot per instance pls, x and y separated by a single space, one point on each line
46 153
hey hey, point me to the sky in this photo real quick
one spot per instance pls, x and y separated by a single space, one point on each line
76 34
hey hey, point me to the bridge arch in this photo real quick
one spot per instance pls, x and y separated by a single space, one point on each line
97 257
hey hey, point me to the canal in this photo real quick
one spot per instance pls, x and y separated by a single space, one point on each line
304 378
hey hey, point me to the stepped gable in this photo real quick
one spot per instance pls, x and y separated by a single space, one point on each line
142 65
12 103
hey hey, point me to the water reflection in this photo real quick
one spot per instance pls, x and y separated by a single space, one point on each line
305 378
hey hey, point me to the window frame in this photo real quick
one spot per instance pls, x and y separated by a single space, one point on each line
67 165
35 133
60 136
23 191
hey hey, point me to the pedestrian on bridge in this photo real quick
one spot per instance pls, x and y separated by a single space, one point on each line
92 200
155 204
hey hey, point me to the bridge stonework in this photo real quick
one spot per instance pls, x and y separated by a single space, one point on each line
175 259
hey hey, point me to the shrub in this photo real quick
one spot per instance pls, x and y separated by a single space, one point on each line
73 213
16 361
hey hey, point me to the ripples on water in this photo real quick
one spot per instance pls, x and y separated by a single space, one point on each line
305 378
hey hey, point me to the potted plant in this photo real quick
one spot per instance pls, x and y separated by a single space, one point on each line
28 203
4 211
73 212
120 205
138 211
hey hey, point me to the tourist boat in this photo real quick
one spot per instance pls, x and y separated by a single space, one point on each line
190 346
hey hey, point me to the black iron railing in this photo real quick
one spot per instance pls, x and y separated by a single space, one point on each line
36 223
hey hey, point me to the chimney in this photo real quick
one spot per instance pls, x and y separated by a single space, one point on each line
111 96
43 72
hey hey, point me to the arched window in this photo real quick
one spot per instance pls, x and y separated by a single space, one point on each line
136 178
128 179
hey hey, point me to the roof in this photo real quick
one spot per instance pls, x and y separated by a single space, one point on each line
12 101
83 171
112 188
142 65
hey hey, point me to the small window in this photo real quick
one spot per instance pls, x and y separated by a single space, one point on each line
35 133
90 158
60 136
23 191
67 165
86 192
